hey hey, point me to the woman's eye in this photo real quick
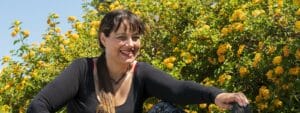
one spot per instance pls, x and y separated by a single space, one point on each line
135 38
122 37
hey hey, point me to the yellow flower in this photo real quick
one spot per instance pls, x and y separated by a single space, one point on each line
31 53
25 33
101 7
271 49
224 77
170 59
243 71
174 40
264 92
13 33
277 60
238 15
294 71
260 45
203 106
17 22
279 70
78 25
74 36
257 12
93 32
256 1
297 12
262 106
286 51
296 2
225 31
170 65
95 24
257 59
66 41
211 60
297 54
269 75
238 26
277 103
6 58
280 3
222 49
297 25
57 30
221 58
71 18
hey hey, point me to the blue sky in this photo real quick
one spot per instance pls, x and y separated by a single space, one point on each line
33 15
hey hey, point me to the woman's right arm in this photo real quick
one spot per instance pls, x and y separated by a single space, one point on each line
62 89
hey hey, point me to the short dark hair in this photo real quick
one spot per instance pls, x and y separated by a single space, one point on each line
112 21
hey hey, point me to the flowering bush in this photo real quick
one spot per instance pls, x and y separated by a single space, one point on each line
248 46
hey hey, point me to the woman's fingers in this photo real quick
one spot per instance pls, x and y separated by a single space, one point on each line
225 100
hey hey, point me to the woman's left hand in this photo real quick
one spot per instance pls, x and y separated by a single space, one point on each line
225 100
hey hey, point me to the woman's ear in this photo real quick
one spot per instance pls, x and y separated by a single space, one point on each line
102 38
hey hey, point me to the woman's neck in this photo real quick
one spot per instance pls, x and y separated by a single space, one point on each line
116 70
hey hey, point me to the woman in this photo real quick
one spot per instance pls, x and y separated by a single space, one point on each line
116 82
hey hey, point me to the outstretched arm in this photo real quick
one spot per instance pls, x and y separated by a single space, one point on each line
159 84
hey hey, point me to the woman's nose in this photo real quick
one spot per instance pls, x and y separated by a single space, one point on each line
129 42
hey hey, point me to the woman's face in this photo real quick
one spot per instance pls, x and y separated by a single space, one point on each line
121 46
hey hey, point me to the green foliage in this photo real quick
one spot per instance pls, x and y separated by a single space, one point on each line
248 46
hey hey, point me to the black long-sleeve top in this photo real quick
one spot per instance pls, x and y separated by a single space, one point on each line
75 88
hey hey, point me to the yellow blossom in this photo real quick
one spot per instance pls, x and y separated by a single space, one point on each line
225 31
271 49
277 103
278 70
297 54
264 92
211 60
66 41
78 25
297 25
224 77
74 36
260 45
93 32
262 106
25 33
257 12
221 58
13 33
170 65
277 60
256 1
17 22
238 15
296 2
222 49
297 12
238 26
6 58
203 106
280 3
257 59
294 71
95 24
57 30
243 71
174 40
269 75
71 18
286 51
101 7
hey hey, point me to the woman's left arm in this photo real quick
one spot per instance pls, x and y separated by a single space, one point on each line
161 85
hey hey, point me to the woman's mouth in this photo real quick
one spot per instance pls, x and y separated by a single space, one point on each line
127 53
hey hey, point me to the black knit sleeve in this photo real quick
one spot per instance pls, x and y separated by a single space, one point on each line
62 89
161 85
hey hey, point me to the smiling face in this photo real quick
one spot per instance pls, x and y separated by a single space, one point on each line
122 45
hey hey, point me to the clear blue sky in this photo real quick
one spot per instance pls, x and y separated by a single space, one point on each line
33 15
